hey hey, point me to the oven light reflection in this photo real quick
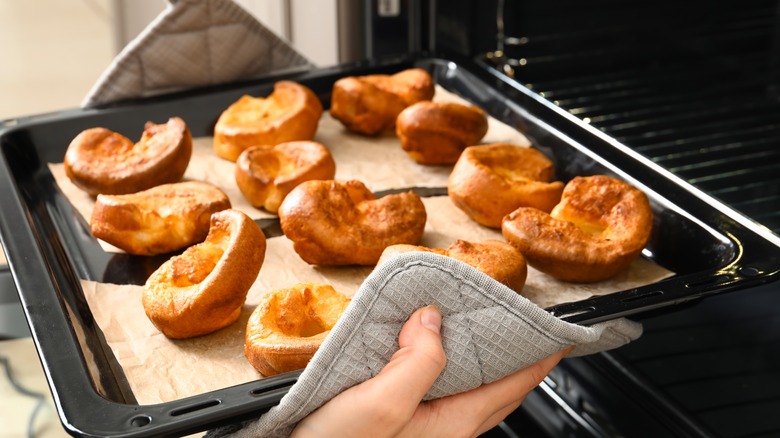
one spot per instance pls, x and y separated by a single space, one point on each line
509 71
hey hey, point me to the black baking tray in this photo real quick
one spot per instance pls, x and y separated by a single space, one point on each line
710 248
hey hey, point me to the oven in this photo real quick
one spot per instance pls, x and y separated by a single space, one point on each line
686 90
693 87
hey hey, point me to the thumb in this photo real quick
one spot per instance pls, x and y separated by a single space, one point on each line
416 365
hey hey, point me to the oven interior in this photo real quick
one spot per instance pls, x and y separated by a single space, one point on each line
694 87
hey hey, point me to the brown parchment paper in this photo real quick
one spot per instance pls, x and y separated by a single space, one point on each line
379 162
159 369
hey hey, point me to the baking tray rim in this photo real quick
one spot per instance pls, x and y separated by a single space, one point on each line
20 235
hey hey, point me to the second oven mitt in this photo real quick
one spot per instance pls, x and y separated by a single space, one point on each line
194 43
488 332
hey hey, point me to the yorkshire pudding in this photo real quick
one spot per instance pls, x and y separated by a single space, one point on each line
158 220
500 260
289 325
266 175
291 112
102 161
437 132
370 104
490 181
203 289
597 230
334 223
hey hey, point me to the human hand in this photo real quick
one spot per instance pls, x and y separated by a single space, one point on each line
390 404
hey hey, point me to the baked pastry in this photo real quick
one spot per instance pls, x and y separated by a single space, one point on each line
498 259
291 112
203 289
597 230
437 132
158 220
99 160
343 223
370 104
289 325
490 181
266 175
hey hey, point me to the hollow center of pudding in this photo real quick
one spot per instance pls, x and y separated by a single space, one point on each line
311 327
265 164
250 110
516 169
299 320
270 164
305 313
513 174
195 264
197 261
287 165
594 228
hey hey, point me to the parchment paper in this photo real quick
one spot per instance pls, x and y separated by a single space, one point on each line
160 369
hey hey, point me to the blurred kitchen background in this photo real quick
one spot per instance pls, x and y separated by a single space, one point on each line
54 51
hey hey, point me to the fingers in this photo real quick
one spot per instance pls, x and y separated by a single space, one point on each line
510 391
494 401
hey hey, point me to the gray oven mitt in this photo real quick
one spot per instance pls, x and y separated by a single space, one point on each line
488 332
194 43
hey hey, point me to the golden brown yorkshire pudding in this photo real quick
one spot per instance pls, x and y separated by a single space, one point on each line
102 161
490 181
291 112
437 132
498 259
597 230
289 325
370 104
159 220
266 175
203 289
343 223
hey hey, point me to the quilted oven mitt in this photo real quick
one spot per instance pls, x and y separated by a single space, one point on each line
488 332
194 43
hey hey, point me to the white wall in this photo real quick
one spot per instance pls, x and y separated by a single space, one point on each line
272 13
315 30
53 51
